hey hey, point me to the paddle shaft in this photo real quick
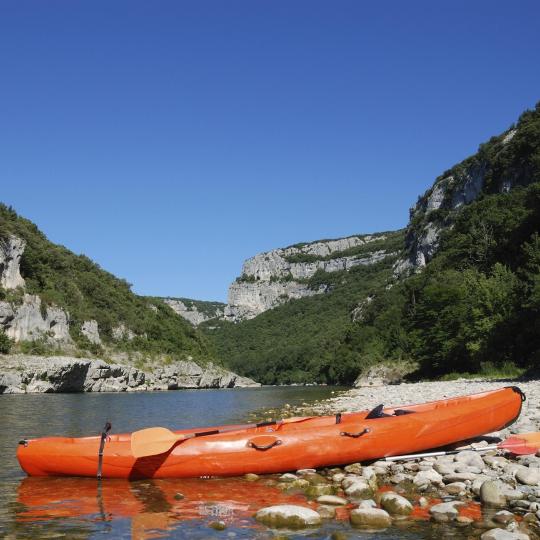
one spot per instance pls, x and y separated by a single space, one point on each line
440 453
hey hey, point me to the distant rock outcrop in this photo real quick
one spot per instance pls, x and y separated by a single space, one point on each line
195 311
11 250
30 320
22 374
90 330
274 277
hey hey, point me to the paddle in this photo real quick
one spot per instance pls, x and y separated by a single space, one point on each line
522 444
157 440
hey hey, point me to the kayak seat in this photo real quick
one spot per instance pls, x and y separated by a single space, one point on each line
401 412
377 412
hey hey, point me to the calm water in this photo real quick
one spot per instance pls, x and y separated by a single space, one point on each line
82 508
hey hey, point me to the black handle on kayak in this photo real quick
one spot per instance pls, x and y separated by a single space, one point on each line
277 442
355 435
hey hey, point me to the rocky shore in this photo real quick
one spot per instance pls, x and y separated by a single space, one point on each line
489 495
23 374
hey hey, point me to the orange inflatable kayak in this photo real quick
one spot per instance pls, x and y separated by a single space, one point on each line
281 446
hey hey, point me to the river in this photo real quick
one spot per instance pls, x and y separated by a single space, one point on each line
82 508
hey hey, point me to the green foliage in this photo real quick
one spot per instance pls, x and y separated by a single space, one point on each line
477 303
203 306
303 340
475 308
39 347
86 291
5 343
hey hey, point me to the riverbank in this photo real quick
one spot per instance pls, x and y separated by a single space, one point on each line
25 374
490 495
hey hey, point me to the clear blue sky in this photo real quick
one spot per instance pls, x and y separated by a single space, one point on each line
170 140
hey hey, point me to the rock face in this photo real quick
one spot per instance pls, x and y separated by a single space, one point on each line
21 374
30 321
89 329
271 278
450 192
187 374
194 311
11 250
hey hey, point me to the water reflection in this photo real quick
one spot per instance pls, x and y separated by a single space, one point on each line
151 506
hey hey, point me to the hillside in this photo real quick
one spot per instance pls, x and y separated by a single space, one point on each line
299 340
458 291
52 299
195 311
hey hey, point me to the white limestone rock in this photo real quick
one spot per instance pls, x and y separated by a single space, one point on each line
11 251
191 313
288 516
90 330
271 278
29 321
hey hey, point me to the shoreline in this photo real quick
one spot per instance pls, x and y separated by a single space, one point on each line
27 374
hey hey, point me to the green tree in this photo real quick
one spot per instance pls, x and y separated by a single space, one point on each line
5 343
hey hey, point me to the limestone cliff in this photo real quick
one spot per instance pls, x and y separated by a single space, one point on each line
30 320
491 170
11 250
195 311
274 277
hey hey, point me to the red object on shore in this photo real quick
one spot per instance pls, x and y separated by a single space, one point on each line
278 447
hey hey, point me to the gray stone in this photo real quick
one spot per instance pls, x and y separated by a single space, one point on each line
455 488
359 490
529 477
460 477
445 511
492 493
424 479
395 504
501 534
288 516
504 517
471 458
370 518
332 499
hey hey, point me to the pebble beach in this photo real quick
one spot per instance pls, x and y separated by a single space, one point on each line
489 495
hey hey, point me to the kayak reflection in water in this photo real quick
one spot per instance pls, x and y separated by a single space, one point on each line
149 504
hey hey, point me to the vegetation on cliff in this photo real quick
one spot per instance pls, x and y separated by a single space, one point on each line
475 306
86 291
302 340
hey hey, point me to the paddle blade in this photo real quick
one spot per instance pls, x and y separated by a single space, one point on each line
153 441
522 444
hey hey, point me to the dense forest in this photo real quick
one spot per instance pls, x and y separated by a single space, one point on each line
86 291
474 308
